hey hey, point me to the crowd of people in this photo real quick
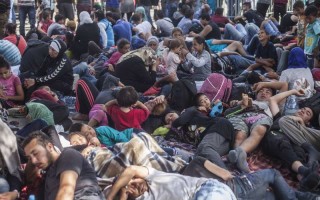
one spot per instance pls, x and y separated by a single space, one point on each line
171 106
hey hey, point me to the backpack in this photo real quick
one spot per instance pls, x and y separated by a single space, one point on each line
217 86
182 94
222 65
196 27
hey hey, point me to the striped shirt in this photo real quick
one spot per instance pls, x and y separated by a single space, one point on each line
10 52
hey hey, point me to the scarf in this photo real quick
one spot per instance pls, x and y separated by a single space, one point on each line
40 111
297 59
146 54
85 18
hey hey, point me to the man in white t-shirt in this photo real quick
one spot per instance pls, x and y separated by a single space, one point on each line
143 28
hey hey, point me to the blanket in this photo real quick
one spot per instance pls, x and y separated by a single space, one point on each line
141 150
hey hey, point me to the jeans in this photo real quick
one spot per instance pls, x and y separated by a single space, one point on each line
251 30
4 185
23 12
234 33
241 62
147 9
83 71
271 28
214 190
262 9
252 46
254 186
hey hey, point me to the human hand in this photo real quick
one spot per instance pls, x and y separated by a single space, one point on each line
272 75
299 92
159 99
110 67
258 86
184 52
202 108
192 34
297 119
94 142
227 176
29 82
9 195
234 103
92 71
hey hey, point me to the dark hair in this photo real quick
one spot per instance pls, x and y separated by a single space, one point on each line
127 96
160 14
112 15
174 43
76 133
311 11
11 28
58 17
262 29
197 97
175 29
189 13
298 4
42 139
316 3
136 17
46 14
201 40
184 9
248 3
99 14
4 63
76 127
122 42
219 11
205 16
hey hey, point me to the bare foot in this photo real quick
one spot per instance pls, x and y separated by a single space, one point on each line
245 101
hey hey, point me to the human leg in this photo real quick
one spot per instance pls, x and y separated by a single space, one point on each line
256 135
231 33
22 19
86 93
32 16
253 44
212 147
83 70
237 46
262 9
4 185
251 30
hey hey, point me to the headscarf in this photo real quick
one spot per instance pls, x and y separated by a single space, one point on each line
40 111
297 59
145 53
137 43
59 46
141 10
153 39
85 18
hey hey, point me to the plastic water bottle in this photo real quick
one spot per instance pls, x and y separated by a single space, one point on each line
291 105
32 197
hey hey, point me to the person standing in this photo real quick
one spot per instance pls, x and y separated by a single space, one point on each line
26 7
279 8
4 14
262 7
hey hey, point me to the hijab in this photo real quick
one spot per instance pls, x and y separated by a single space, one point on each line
85 18
145 53
141 10
297 59
153 39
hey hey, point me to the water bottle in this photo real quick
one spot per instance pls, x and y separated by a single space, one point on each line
32 197
291 105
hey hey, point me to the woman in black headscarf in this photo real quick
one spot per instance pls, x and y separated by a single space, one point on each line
55 72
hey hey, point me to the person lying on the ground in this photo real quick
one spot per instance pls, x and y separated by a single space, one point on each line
278 145
226 46
68 174
251 119
135 182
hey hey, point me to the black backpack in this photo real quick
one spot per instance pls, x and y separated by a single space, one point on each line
182 94
222 65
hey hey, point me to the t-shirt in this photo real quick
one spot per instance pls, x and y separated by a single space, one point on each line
220 20
10 52
165 25
267 51
122 29
45 25
214 33
253 17
132 119
164 186
9 86
145 28
172 62
312 37
70 159
185 24
22 45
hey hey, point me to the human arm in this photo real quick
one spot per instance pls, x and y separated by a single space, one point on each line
215 169
280 98
12 195
67 185
40 30
214 41
281 86
126 176
110 103
199 62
